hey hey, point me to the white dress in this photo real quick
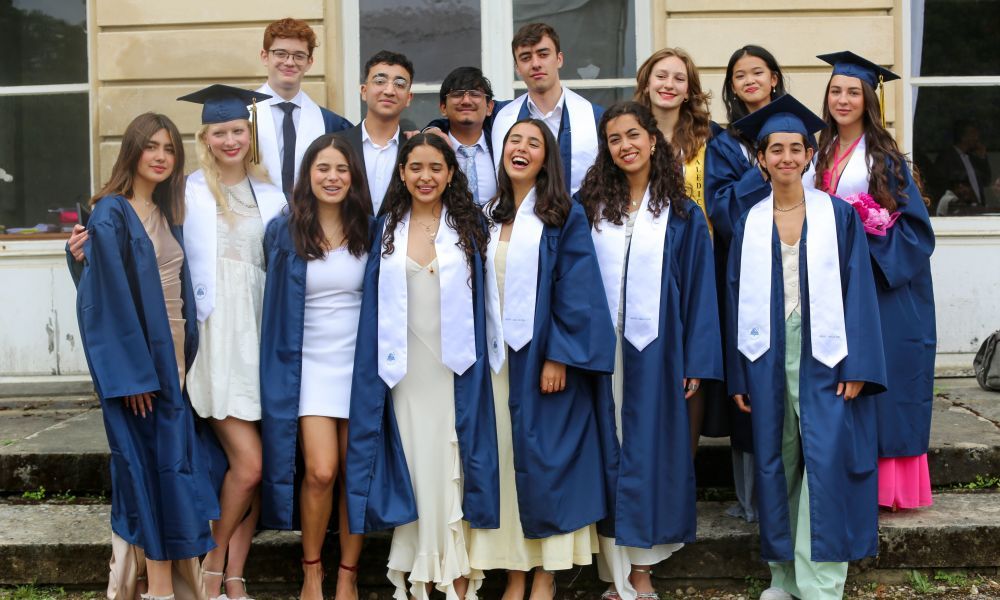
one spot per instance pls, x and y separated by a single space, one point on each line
329 332
432 549
614 562
224 380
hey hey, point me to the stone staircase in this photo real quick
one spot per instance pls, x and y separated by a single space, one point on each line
58 444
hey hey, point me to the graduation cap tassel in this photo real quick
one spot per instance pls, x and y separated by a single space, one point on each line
881 98
254 142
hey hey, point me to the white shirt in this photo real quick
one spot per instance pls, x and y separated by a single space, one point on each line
380 162
279 117
485 174
553 118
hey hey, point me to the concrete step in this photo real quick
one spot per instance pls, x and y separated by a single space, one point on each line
59 443
69 545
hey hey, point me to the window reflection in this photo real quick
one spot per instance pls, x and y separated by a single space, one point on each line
958 37
43 42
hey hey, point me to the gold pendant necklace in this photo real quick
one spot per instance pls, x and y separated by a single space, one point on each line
790 208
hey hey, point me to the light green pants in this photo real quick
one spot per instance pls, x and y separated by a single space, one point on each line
800 577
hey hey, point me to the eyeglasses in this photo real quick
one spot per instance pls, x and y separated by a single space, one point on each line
472 94
299 58
380 80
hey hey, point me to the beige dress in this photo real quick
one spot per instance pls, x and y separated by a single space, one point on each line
224 380
128 562
433 548
614 563
506 547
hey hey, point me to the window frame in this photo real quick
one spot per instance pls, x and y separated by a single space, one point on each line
497 29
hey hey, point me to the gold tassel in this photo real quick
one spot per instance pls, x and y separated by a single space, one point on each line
881 98
254 142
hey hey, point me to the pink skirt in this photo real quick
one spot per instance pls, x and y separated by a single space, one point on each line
904 482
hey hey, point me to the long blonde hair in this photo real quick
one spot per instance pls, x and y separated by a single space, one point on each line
694 122
211 168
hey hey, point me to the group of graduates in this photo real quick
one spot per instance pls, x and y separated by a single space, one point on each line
504 335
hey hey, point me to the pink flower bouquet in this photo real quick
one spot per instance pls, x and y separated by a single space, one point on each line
876 219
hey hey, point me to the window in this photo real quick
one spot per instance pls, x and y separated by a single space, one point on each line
599 38
44 111
954 80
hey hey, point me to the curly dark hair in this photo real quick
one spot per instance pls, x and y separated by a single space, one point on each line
307 233
463 214
736 109
552 202
605 189
879 147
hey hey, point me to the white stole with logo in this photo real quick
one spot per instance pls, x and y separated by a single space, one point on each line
826 304
458 326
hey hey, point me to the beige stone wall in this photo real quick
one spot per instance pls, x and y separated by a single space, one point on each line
795 31
146 54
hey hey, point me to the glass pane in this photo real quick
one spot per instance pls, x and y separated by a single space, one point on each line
436 35
43 42
597 37
956 146
608 96
422 111
44 153
959 37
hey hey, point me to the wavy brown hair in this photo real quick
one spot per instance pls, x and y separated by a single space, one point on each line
463 214
356 209
693 126
168 195
605 189
883 154
552 202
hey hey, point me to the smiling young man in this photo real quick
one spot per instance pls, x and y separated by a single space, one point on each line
376 140
466 100
296 120
570 117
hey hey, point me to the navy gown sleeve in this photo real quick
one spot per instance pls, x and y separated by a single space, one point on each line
699 301
333 122
865 360
113 334
379 492
736 376
904 251
732 184
581 333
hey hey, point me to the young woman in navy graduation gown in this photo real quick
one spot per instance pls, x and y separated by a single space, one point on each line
422 446
805 356
656 259
229 202
551 342
857 155
733 184
316 256
137 322
668 84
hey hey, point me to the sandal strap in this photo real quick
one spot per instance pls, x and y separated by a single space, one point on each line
648 596
644 572
228 579
353 569
151 597
312 562
212 573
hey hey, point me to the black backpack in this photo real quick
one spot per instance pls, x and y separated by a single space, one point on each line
987 363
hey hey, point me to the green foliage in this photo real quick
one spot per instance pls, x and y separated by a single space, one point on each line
982 482
38 494
7 442
755 586
920 583
32 592
63 497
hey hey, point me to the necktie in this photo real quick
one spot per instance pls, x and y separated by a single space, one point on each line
469 154
288 153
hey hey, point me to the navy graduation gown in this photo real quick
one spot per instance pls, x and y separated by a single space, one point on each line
379 491
655 496
732 186
901 261
565 445
839 442
162 496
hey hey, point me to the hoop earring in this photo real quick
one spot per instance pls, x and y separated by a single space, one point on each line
685 100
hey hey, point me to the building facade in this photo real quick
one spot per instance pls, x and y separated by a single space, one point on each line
75 72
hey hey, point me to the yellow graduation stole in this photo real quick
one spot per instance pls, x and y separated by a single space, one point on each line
694 181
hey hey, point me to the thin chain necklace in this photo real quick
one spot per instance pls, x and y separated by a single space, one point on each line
430 230
234 199
791 208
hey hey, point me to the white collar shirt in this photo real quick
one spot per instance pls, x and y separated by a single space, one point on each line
380 163
553 118
486 176
279 114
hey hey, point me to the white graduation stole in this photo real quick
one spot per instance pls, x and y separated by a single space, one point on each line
854 179
643 279
520 280
310 127
828 333
582 125
458 330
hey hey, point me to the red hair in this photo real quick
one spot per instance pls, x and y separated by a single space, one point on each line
290 28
